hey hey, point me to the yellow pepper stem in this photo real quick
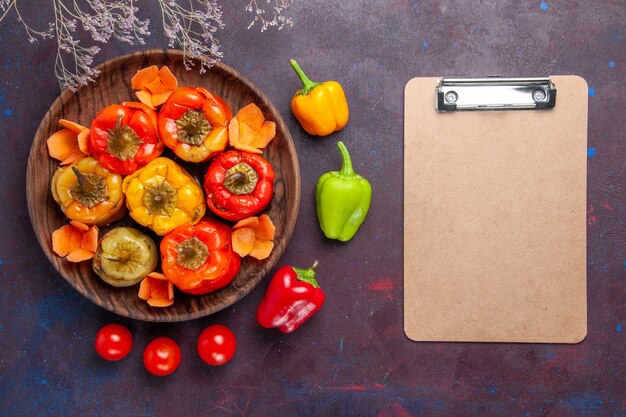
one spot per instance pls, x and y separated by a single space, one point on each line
306 82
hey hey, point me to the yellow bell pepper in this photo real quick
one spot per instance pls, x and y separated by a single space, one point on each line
162 196
321 108
89 193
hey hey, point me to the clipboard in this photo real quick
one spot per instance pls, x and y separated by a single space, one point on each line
495 209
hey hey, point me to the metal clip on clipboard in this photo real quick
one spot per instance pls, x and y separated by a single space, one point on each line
495 93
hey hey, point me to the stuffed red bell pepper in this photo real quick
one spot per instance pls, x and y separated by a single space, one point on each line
199 258
238 185
292 297
193 122
124 137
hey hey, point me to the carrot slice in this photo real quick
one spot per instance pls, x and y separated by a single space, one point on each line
233 131
159 290
248 148
73 157
169 80
76 239
252 222
158 99
79 255
266 229
73 126
90 239
156 290
246 134
144 289
254 132
156 302
62 144
264 135
80 226
157 275
253 236
261 249
145 97
243 241
144 76
155 86
83 142
251 116
61 240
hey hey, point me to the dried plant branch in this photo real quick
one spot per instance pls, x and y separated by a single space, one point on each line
78 70
193 30
191 27
278 18
106 19
112 18
7 5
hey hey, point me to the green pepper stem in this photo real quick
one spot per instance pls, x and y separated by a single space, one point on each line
307 275
346 161
306 81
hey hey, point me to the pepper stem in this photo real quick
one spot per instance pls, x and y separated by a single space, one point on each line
307 275
346 161
241 179
314 266
122 260
80 178
306 82
90 189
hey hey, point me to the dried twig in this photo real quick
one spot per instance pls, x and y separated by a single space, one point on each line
191 27
112 18
7 5
78 71
193 30
277 8
106 19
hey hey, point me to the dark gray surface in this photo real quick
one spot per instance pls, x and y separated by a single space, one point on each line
352 359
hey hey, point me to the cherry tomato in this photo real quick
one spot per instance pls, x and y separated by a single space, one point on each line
113 342
216 345
162 356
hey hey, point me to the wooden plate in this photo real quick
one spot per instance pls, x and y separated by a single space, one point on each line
113 86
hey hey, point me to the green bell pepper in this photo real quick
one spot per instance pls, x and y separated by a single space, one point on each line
343 199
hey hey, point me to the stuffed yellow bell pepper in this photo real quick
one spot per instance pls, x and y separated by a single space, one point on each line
89 193
321 108
162 196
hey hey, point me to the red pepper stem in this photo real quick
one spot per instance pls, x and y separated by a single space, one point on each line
307 275
306 82
346 161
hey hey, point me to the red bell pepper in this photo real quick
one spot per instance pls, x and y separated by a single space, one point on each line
292 297
199 258
238 185
124 137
